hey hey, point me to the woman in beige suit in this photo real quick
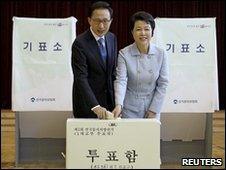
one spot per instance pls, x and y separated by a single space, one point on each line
141 73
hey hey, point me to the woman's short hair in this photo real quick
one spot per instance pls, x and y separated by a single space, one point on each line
142 16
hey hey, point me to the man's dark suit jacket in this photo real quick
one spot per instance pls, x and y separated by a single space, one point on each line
93 80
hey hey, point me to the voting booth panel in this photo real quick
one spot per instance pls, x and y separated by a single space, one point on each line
192 63
183 126
193 74
49 124
41 69
113 144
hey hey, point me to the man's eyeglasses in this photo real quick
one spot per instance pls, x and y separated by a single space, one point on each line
98 21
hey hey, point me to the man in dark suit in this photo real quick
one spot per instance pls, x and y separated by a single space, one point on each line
94 54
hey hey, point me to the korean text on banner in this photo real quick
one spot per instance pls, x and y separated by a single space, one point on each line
41 73
191 48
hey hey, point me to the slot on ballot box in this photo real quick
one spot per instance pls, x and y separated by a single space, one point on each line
113 144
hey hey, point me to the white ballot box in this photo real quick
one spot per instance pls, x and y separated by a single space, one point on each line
113 144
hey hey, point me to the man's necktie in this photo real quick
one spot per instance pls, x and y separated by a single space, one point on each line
103 51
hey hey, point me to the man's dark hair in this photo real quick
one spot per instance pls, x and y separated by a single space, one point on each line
142 16
100 5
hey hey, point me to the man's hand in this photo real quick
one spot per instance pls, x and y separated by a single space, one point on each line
117 111
100 112
150 114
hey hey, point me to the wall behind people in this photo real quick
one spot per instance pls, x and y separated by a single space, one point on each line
122 11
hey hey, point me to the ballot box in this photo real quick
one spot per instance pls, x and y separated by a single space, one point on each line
113 144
